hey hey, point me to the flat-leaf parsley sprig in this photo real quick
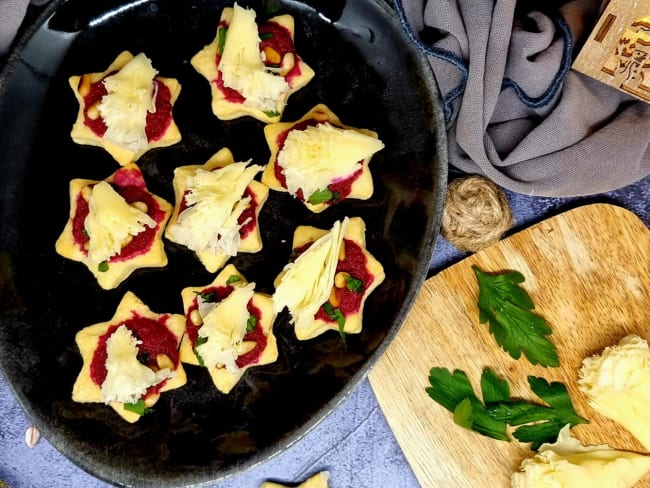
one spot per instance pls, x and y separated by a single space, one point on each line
532 422
507 308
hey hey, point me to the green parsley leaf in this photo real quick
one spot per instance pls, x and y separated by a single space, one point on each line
336 314
266 35
85 233
449 389
321 196
542 424
272 6
138 407
223 32
535 423
198 342
493 388
102 267
353 284
271 113
233 279
507 308
340 318
207 297
251 323
454 392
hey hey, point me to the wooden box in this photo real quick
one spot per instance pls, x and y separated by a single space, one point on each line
617 51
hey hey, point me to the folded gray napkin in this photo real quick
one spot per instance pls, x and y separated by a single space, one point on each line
12 13
516 112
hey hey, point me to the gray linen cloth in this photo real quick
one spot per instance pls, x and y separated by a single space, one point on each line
516 112
12 13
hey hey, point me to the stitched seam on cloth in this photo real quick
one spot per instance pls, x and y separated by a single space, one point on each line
443 54
565 64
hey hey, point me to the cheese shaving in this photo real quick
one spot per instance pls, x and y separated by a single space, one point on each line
242 66
224 327
313 158
111 222
130 97
306 283
127 379
215 203
567 463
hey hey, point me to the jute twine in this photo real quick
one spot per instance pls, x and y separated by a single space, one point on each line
476 213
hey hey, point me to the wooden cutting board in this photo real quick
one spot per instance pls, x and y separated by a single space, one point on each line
588 273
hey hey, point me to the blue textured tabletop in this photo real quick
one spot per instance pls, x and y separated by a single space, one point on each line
354 443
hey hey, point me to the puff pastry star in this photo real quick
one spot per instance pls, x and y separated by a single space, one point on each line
319 160
217 209
115 227
331 275
131 359
126 109
229 328
319 480
261 93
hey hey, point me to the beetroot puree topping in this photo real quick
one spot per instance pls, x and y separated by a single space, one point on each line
248 217
342 187
216 294
130 185
157 122
155 339
355 264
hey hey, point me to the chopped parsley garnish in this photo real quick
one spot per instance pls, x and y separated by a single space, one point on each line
336 314
271 113
233 279
353 284
85 233
533 422
266 35
198 342
251 323
272 6
103 267
207 297
138 407
506 306
223 32
322 196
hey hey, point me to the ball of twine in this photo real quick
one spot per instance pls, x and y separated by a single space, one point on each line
476 213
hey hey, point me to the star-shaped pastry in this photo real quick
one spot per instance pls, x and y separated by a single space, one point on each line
326 284
126 109
217 209
115 226
252 68
319 160
319 480
229 328
131 359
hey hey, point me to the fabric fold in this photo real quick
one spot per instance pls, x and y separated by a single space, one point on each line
515 111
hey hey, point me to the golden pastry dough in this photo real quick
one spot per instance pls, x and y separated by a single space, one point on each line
74 241
354 275
82 134
319 480
357 185
250 241
129 311
200 302
228 104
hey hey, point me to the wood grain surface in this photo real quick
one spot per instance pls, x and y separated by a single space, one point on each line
588 273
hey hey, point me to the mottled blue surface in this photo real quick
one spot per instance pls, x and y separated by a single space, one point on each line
354 442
